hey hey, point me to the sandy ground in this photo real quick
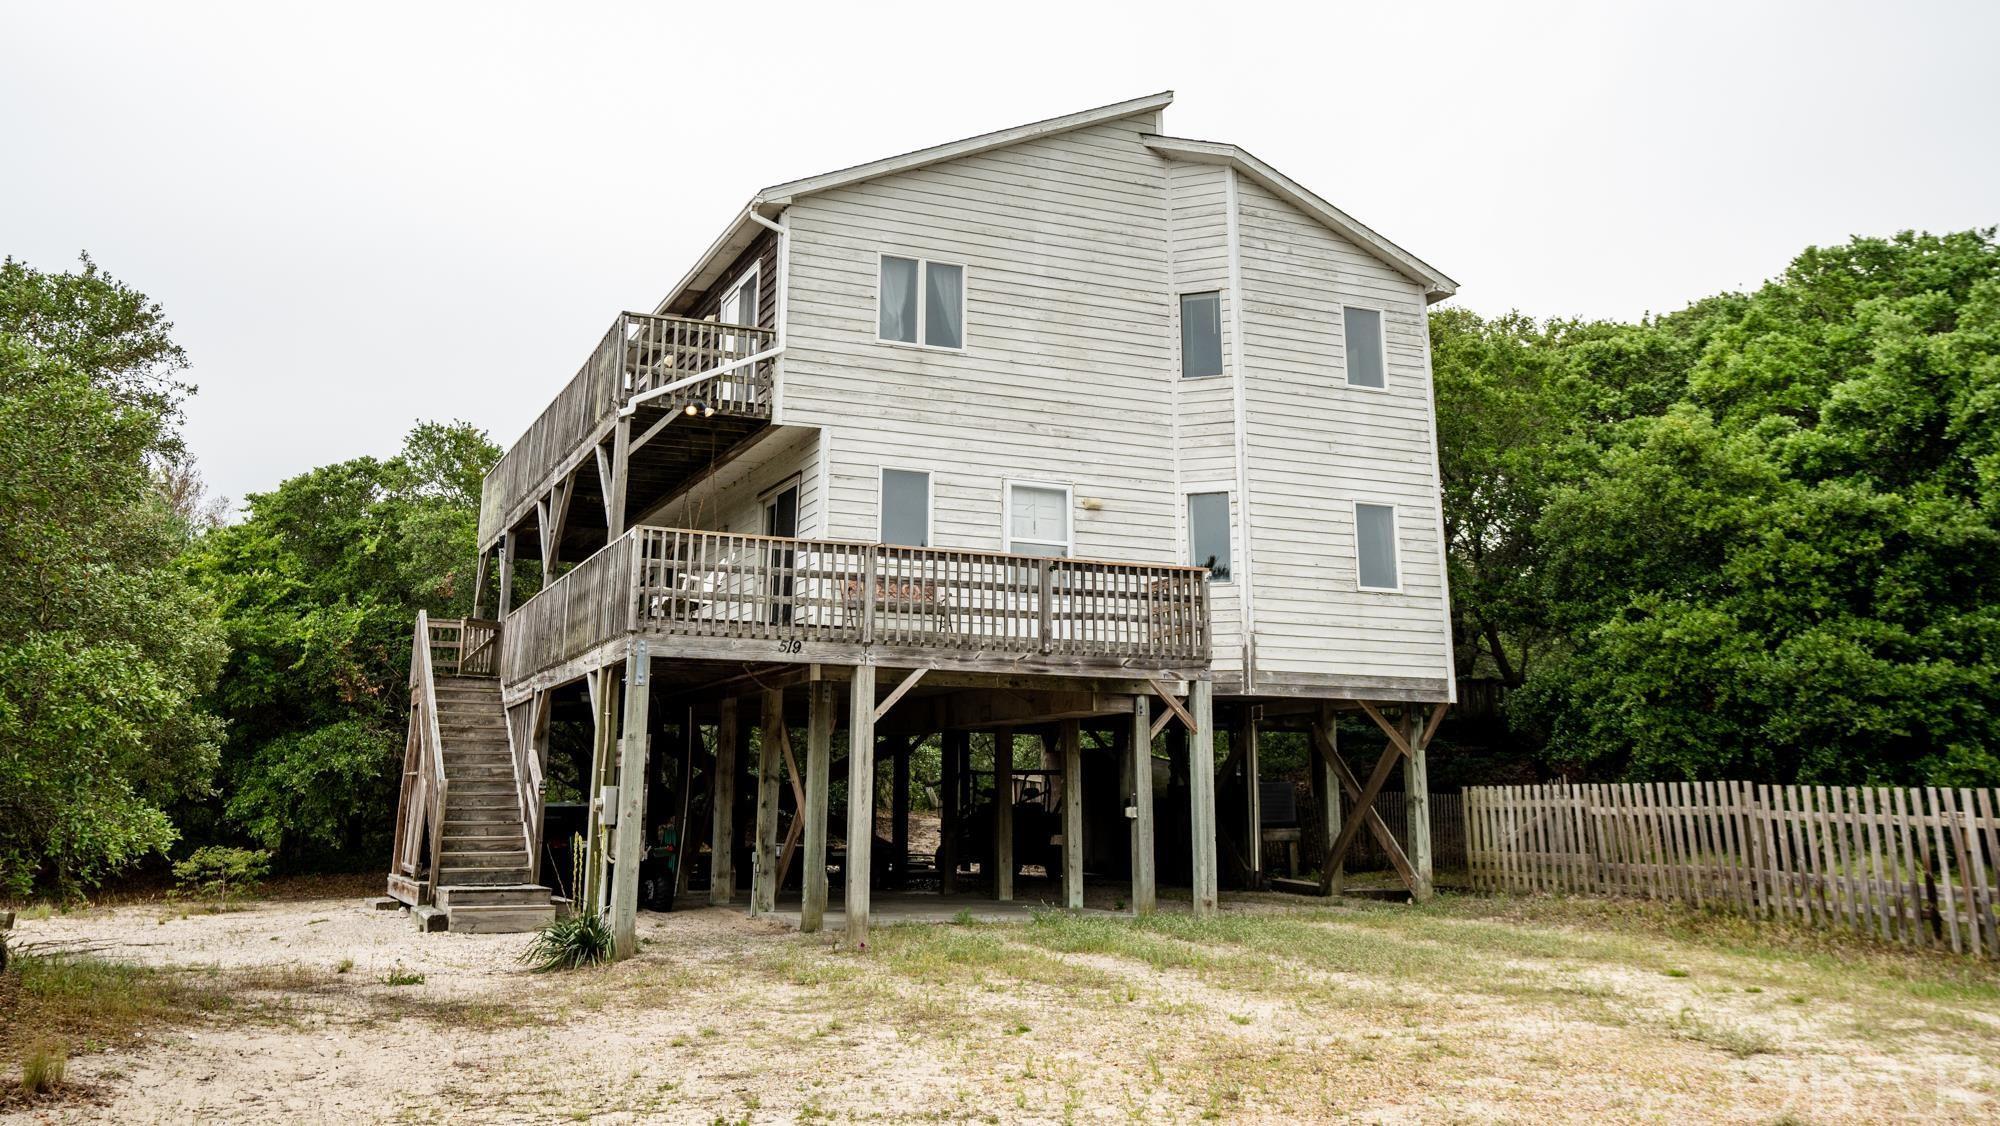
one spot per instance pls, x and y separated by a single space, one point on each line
1367 1012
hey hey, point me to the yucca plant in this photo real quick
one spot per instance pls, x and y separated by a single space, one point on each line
582 939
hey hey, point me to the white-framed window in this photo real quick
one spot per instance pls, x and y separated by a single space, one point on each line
1377 565
1367 343
739 301
1208 527
905 507
1037 516
1201 334
921 302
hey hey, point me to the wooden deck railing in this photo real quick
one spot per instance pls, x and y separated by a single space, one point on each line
464 647
640 352
413 866
759 588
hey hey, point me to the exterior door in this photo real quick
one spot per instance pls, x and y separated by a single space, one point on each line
781 520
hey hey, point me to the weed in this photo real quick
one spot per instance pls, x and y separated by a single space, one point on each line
1675 972
401 976
1738 1042
343 966
43 1067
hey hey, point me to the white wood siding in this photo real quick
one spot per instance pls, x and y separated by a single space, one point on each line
1317 445
1065 374
1205 420
733 499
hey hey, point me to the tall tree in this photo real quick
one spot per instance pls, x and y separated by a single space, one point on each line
1786 572
319 587
105 648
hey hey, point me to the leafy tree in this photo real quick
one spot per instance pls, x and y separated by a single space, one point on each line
105 648
319 587
1784 570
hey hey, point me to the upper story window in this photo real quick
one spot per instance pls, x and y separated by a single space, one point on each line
1038 519
1201 334
1208 533
1375 547
739 301
921 302
906 507
1367 347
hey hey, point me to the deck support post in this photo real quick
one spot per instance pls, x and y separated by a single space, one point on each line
899 810
1140 766
1253 798
860 803
1003 814
764 871
1201 797
1069 739
631 827
722 807
820 707
951 767
1417 802
508 546
1323 742
608 703
614 492
479 582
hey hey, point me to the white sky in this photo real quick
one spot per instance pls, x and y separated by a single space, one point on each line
360 215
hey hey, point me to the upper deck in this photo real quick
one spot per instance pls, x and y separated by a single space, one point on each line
727 596
647 372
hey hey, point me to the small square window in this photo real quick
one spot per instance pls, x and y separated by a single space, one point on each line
1038 520
920 302
1208 533
1375 546
1365 346
1201 334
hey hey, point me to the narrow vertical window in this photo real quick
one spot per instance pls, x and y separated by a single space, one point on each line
906 507
944 305
1208 533
1363 328
1038 520
1375 546
1201 334
897 299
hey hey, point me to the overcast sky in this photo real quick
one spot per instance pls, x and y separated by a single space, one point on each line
362 215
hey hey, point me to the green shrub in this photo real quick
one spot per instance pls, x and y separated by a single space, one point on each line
582 939
224 875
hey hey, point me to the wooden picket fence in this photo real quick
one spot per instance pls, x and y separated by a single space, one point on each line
1916 866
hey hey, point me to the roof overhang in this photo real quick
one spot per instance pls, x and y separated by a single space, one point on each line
1437 286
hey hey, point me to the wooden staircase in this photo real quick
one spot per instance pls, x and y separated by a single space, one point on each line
482 880
462 845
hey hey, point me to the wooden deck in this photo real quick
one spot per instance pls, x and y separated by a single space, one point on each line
652 361
725 596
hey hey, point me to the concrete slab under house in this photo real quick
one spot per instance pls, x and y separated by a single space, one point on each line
1075 455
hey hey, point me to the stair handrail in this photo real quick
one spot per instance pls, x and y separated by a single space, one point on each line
423 687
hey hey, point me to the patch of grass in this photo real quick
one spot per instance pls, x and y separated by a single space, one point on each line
1740 1042
345 965
43 1068
89 1003
401 976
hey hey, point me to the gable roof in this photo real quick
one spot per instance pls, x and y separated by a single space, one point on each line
744 229
1436 285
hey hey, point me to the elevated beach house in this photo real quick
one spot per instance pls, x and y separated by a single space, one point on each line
1076 437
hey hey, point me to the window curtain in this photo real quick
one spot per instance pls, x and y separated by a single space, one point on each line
944 305
899 299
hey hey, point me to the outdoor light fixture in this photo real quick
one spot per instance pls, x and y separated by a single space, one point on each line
691 410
